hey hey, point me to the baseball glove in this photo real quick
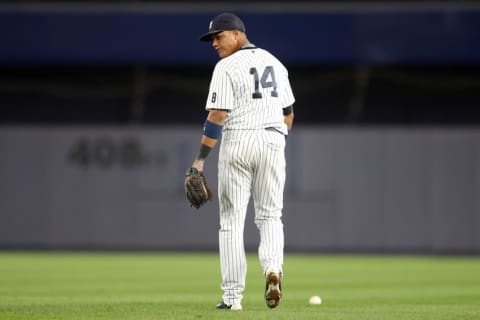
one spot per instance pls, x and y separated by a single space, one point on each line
196 188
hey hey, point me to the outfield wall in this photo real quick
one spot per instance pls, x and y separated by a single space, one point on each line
348 190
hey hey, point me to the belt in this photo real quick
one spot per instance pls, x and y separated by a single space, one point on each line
274 129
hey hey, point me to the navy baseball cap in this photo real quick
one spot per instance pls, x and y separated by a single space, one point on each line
222 22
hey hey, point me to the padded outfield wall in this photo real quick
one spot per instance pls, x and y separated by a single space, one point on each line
348 190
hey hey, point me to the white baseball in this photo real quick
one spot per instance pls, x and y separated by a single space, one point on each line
315 300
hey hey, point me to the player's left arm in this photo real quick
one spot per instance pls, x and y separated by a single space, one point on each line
211 133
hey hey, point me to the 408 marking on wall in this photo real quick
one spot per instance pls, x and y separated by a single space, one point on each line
107 152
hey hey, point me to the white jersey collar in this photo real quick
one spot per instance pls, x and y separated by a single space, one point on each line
248 46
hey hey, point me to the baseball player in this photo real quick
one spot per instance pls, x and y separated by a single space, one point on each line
249 104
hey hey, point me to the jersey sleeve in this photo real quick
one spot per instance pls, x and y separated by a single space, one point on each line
221 93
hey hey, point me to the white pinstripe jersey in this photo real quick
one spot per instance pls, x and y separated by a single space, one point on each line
253 85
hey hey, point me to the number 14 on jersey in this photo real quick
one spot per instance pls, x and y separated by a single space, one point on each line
266 81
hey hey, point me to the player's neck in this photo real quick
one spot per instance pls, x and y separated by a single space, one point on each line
243 43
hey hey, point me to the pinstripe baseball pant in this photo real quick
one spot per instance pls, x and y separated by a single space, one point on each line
251 162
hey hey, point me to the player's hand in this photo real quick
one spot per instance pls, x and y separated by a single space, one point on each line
196 188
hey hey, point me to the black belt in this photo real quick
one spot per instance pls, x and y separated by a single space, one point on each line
274 129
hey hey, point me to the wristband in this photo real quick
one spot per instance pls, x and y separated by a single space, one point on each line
212 130
287 110
204 151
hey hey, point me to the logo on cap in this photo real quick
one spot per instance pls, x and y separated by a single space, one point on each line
210 25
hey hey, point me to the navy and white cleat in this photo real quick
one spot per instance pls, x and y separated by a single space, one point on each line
234 307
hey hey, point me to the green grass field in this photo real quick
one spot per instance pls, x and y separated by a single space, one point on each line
186 286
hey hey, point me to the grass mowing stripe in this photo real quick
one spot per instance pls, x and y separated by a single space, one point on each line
186 286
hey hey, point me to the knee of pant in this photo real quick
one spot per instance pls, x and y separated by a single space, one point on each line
260 221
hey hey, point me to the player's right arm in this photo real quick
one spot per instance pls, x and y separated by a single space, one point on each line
287 98
288 116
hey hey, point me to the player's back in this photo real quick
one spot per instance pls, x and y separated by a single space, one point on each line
260 87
